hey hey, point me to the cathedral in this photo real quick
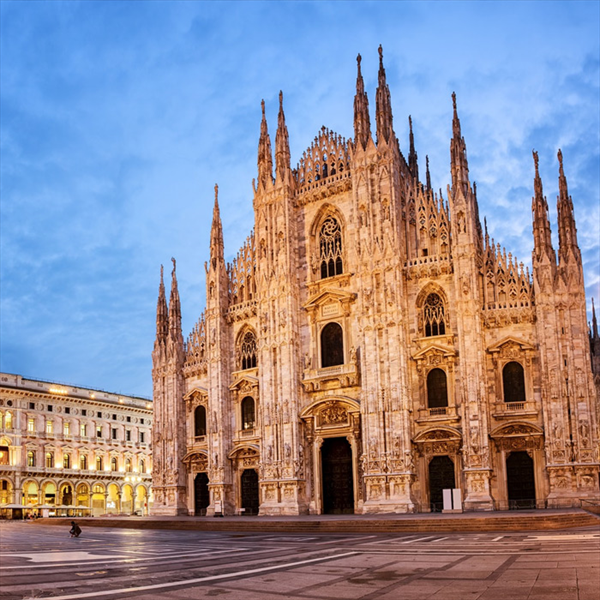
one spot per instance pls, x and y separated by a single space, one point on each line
371 347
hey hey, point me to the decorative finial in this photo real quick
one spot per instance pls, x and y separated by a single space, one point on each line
454 101
161 273
358 59
280 99
174 265
262 105
380 50
410 123
216 192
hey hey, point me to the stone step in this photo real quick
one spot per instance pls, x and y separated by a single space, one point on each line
467 522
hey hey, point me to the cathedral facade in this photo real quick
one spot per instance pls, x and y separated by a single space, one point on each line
370 346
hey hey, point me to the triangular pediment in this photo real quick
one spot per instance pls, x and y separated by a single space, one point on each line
196 391
433 349
329 296
245 382
510 341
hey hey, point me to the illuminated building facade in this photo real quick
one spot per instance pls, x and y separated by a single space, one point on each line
65 446
371 346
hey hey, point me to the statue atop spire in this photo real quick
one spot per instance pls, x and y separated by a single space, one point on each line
265 157
362 121
175 308
385 129
427 173
282 144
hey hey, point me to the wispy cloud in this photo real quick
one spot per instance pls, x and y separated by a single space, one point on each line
118 118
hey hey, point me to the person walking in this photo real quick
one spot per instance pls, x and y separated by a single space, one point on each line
75 529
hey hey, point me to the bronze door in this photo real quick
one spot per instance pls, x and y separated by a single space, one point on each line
249 482
201 494
441 477
338 485
520 481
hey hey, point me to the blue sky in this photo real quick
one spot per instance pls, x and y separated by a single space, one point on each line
117 119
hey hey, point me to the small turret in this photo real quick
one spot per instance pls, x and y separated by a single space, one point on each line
162 313
412 154
217 249
362 121
174 309
459 165
282 145
543 252
568 250
385 128
265 157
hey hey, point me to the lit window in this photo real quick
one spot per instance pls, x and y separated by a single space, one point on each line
49 460
248 413
142 466
31 425
99 463
113 464
8 420
4 455
128 465
66 461
49 426
99 431
83 429
67 428
83 462
31 458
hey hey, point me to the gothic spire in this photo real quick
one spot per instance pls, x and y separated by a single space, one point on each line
412 154
217 249
265 157
594 322
542 238
567 232
458 154
282 144
427 173
174 308
362 122
162 318
383 105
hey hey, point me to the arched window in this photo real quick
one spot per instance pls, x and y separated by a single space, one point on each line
99 463
113 463
437 389
49 460
332 345
66 461
247 351
248 416
200 421
83 462
330 248
142 466
128 465
434 320
513 380
8 420
31 458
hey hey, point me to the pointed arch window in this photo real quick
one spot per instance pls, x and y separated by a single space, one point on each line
247 351
332 345
248 413
434 318
330 248
200 421
437 389
513 382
